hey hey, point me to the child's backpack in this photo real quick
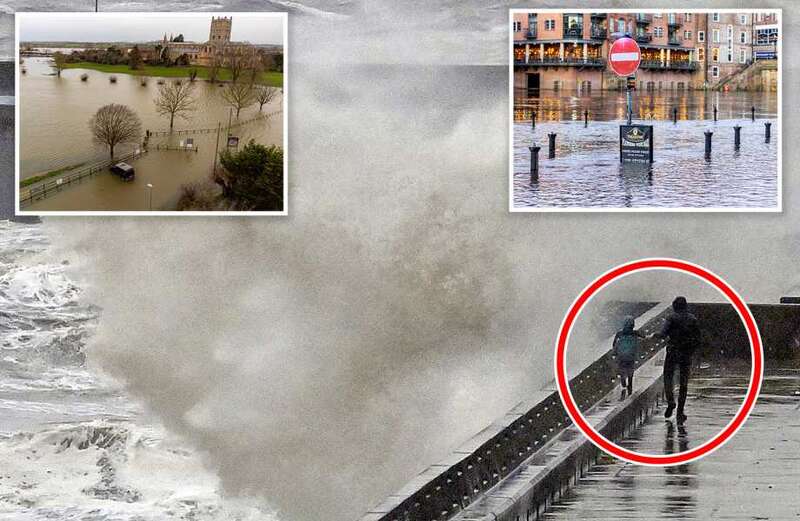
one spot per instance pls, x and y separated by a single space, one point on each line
626 348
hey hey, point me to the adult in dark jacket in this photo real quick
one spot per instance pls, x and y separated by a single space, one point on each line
682 331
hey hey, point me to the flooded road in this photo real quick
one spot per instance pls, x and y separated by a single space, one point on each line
754 476
55 134
586 171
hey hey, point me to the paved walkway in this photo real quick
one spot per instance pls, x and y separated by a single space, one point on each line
756 475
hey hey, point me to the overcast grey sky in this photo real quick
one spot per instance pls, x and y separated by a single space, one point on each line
259 28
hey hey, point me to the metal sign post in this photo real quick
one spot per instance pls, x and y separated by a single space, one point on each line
635 141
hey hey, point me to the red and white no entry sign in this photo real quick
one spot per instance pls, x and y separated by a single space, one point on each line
624 56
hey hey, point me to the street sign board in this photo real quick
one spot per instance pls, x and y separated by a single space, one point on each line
636 144
624 56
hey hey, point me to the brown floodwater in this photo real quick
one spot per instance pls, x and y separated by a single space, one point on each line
54 133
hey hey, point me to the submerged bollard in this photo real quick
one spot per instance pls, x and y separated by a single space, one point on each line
752 113
767 131
675 115
736 137
708 144
715 113
585 118
534 163
533 119
551 152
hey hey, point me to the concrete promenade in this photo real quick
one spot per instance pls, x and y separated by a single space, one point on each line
754 476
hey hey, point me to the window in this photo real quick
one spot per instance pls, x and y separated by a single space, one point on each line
742 19
687 35
517 26
715 71
743 37
715 55
742 56
658 32
715 17
767 36
701 36
730 55
549 25
729 33
701 54
621 25
687 17
715 36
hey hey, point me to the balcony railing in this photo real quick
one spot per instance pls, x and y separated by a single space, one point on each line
531 35
598 33
674 41
673 21
599 16
644 19
567 61
678 65
644 38
573 32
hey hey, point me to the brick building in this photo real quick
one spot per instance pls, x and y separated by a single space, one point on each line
561 50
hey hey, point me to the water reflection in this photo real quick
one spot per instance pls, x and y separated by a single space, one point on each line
654 105
586 170
678 480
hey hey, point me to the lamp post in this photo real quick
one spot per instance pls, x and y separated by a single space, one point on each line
150 195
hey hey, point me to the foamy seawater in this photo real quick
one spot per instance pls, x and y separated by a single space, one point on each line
73 445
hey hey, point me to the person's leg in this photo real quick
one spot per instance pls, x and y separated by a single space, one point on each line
686 367
629 377
669 371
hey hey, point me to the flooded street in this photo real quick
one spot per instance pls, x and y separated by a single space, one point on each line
754 476
55 134
586 171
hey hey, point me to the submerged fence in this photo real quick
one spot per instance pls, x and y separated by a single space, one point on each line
210 130
28 196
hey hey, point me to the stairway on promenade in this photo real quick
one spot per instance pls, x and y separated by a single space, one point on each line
751 77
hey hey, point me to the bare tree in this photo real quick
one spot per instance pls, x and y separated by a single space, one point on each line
237 63
264 95
58 62
175 99
239 94
115 124
213 68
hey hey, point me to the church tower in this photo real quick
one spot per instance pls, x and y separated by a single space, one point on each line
220 30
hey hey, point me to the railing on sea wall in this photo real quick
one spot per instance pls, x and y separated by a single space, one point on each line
444 490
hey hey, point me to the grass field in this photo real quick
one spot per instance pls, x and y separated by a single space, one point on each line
52 173
273 79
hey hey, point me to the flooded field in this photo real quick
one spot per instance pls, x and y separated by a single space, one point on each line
754 476
55 134
586 171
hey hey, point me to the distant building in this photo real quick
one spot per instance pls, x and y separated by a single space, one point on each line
219 46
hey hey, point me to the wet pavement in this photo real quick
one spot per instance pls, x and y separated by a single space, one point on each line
586 172
756 475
